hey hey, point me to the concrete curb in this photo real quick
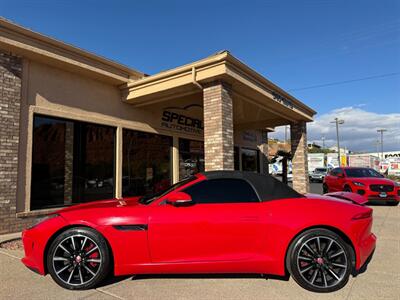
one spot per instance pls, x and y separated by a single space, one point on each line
9 237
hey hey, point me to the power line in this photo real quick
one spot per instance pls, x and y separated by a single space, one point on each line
343 82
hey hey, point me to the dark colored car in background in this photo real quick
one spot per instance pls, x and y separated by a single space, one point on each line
364 181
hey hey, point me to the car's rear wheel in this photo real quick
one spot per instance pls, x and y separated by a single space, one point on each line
319 260
78 259
325 188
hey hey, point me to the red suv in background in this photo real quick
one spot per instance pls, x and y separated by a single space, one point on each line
363 181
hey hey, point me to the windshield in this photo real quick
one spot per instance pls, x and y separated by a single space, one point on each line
320 170
147 199
362 172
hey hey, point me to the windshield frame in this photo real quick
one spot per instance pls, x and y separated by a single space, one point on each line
149 198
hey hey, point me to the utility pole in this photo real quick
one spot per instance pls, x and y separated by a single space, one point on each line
338 122
381 132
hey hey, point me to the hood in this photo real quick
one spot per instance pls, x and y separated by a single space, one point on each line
372 180
110 203
340 196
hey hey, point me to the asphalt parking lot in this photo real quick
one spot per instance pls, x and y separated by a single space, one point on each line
380 281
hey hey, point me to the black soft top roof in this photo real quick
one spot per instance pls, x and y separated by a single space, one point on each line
266 186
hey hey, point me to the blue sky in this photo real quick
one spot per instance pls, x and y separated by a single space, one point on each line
295 44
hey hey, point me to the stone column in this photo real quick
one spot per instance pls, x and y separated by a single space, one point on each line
218 126
264 152
298 136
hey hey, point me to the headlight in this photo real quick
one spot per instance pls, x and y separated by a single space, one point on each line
40 220
358 183
397 184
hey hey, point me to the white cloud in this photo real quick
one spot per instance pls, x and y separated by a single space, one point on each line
358 133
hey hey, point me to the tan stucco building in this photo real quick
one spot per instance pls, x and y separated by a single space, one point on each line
76 127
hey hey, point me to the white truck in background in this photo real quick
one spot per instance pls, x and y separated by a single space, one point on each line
364 161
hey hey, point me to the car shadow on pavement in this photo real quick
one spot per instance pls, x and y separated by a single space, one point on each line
110 280
208 276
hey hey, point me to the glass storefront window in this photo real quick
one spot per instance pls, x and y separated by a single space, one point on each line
93 162
191 157
236 159
250 160
146 163
72 162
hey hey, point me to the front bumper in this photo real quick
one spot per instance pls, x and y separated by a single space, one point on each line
35 241
373 196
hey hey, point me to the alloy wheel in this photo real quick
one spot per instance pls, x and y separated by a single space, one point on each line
77 260
322 262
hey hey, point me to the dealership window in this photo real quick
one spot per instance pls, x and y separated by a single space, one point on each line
250 160
236 159
222 191
146 163
191 157
72 162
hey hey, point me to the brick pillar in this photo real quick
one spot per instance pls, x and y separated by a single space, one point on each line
298 136
264 152
218 126
10 101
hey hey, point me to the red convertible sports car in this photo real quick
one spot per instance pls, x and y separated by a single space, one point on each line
213 222
364 181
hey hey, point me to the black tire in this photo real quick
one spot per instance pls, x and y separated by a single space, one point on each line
325 189
316 272
347 189
78 259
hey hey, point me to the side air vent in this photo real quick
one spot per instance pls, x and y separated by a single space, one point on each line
134 227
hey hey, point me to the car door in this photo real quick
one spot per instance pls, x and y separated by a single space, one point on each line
340 180
222 225
328 180
332 180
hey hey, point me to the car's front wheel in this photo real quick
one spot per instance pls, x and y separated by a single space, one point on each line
78 259
319 260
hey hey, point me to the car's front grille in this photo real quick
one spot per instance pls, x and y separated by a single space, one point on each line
381 188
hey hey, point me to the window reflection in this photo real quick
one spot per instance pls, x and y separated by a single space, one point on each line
191 157
72 162
146 162
250 160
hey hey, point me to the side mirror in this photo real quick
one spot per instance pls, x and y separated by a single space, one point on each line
341 175
180 199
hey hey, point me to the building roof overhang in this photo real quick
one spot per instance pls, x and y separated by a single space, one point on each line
246 83
27 43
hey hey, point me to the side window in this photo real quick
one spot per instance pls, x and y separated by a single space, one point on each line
222 191
334 172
